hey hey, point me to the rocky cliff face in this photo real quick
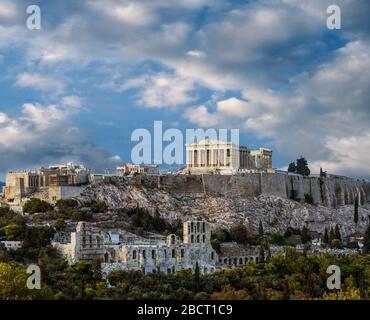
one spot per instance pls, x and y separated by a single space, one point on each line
224 209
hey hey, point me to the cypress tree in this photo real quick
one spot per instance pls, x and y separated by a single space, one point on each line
196 273
261 255
292 167
331 235
326 236
260 230
305 236
337 233
366 247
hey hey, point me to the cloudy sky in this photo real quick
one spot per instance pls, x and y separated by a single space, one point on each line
98 69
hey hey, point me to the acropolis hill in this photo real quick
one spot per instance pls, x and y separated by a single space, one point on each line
248 198
278 198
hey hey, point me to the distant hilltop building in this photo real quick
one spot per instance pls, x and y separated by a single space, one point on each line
130 169
52 183
223 157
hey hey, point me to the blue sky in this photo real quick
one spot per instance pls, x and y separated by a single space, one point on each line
97 70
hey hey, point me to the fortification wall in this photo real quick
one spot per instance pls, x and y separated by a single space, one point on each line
329 191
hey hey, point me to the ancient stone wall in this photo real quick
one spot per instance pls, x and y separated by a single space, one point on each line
330 192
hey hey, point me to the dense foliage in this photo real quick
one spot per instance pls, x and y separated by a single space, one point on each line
142 221
294 276
300 167
36 205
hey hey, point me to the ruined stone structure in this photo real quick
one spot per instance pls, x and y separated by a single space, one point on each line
225 158
233 255
86 245
262 159
132 169
172 255
166 256
50 184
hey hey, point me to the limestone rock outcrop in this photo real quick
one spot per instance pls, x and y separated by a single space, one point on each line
225 207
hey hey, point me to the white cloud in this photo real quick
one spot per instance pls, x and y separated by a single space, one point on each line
196 53
349 156
7 9
131 13
39 81
72 101
162 90
116 159
44 134
202 117
234 107
320 96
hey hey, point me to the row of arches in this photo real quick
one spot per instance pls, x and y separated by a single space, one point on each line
198 238
154 253
237 261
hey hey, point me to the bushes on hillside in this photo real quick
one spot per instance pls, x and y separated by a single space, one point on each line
36 205
98 206
66 204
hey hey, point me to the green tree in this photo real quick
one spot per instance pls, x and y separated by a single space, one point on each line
36 205
277 239
292 167
239 233
13 231
366 247
337 233
336 244
302 167
216 245
196 273
261 233
305 235
331 234
13 281
261 255
66 204
308 198
326 236
60 224
99 206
